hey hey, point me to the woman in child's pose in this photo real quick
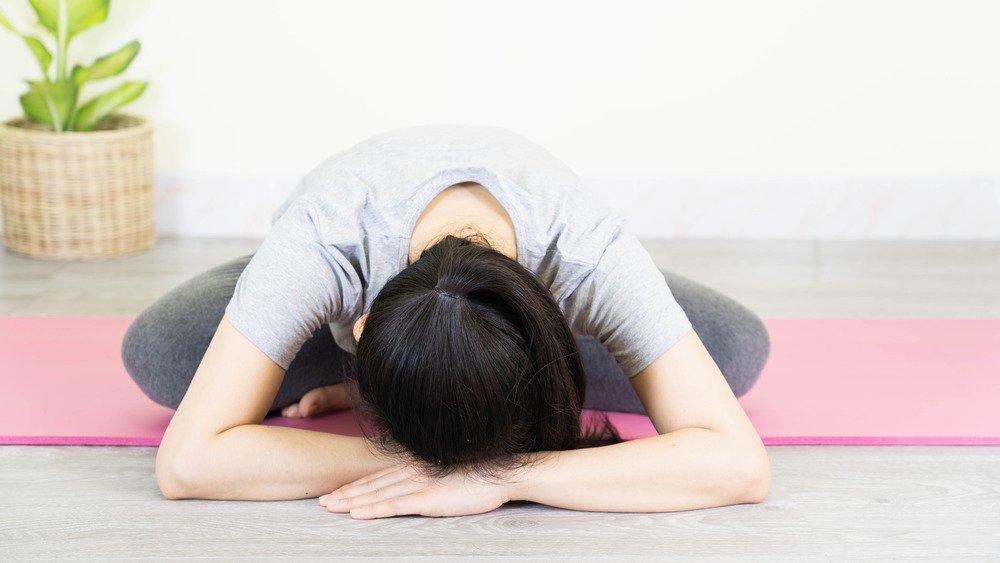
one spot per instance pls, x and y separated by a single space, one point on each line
462 288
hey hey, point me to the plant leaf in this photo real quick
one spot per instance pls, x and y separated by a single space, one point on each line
42 54
80 14
49 102
97 108
38 49
6 23
106 66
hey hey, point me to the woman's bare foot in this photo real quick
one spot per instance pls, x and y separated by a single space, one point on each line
321 400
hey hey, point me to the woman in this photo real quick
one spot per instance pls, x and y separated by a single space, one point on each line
461 287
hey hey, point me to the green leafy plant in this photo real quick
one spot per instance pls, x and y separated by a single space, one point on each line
54 101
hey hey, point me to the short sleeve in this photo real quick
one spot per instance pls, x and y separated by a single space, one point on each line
625 303
294 283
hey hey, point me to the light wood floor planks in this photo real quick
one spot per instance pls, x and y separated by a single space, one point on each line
827 503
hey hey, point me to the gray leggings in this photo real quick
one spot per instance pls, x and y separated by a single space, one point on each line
165 343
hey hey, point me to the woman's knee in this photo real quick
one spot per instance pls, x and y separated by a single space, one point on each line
734 336
750 347
164 344
146 360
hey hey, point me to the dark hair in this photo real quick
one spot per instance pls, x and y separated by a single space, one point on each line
466 361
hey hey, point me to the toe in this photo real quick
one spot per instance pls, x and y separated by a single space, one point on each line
314 401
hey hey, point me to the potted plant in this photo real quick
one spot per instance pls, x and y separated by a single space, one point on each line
76 179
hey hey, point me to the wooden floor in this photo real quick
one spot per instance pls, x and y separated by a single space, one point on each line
827 503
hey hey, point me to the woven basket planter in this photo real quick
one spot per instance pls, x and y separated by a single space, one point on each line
77 195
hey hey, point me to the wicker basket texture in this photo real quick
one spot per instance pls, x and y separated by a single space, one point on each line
77 195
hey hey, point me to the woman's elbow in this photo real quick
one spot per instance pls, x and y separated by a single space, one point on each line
758 482
170 478
169 487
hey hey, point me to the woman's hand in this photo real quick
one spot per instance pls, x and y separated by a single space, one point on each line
323 399
405 489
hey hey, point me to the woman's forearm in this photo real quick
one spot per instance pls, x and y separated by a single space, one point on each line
681 470
258 462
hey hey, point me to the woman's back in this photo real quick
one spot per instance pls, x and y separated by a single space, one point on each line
346 230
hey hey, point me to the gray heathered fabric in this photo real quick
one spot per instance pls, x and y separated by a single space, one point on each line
344 231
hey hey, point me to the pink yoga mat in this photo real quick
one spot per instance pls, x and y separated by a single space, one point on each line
828 381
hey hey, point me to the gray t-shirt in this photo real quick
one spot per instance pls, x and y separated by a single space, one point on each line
344 231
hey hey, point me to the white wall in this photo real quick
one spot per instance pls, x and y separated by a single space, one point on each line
789 119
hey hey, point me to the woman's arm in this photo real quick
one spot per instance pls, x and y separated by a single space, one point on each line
681 470
216 448
258 462
707 452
